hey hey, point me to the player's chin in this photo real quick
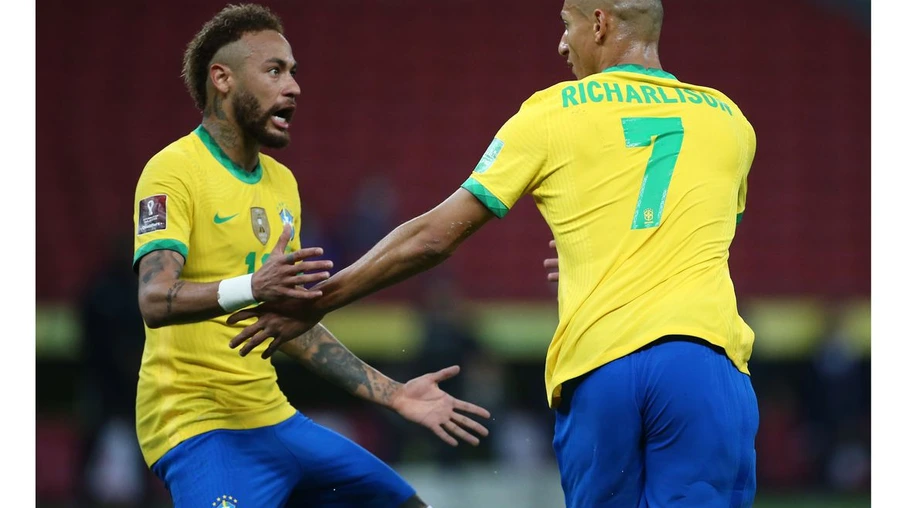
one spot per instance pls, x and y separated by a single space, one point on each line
275 138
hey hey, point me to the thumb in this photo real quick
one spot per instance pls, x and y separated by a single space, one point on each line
241 316
283 241
447 373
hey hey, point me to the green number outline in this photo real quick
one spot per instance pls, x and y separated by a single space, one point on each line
251 259
669 137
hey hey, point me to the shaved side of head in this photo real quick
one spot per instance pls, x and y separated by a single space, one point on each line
232 55
643 17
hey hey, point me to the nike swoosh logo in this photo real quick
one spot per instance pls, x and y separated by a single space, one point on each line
219 220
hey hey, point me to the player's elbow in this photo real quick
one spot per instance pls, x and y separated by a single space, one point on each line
432 248
152 320
151 310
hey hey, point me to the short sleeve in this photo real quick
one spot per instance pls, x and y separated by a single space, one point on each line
513 163
163 209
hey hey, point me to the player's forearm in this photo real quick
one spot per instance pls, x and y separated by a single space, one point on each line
411 248
165 299
321 352
171 302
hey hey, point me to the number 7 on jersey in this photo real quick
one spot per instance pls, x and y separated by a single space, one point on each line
669 136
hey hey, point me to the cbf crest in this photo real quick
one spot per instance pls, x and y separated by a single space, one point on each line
260 224
225 502
286 217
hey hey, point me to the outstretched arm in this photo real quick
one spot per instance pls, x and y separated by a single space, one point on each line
419 400
411 248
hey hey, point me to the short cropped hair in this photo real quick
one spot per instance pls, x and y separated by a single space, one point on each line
229 25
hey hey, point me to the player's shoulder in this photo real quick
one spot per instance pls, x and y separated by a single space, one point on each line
549 97
718 94
277 170
179 159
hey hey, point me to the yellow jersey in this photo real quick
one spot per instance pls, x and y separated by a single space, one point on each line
192 199
642 180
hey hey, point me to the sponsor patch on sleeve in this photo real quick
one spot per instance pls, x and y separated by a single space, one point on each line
489 157
152 214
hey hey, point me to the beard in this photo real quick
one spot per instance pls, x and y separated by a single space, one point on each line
253 121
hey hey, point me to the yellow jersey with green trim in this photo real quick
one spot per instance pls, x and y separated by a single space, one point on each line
192 199
642 179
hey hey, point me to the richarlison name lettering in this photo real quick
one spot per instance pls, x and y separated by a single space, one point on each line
595 91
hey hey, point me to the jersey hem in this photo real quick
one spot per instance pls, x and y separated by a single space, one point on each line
153 453
553 387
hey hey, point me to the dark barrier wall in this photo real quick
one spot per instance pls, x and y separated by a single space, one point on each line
414 91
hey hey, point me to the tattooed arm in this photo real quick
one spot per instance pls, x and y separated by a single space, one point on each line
419 400
164 299
322 353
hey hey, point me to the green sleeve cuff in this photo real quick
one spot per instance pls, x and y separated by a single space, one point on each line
486 197
740 216
144 250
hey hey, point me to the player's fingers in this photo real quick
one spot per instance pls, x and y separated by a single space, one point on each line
467 407
471 425
552 244
311 266
283 241
553 277
551 263
301 294
460 433
242 315
447 373
442 434
300 254
307 278
274 345
249 331
255 341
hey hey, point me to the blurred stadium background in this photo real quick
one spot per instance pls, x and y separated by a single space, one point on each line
399 99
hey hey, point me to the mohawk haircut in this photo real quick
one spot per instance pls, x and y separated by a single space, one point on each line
229 25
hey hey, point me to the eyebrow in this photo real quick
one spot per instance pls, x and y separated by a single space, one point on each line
280 62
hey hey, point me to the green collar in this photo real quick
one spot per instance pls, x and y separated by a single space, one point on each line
659 73
218 153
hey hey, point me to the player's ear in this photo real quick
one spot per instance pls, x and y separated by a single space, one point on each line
221 77
600 25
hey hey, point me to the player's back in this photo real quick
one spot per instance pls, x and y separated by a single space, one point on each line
644 183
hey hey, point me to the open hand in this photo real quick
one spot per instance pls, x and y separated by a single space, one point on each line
284 275
270 323
423 402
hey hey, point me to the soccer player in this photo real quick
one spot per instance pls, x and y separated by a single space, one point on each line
642 179
214 221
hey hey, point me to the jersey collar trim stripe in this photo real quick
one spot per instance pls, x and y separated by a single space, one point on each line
659 73
220 155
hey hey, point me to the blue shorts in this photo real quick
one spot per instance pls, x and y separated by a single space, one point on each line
261 467
670 425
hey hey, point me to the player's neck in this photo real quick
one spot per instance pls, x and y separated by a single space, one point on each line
642 54
241 150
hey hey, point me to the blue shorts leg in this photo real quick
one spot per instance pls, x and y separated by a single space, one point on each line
229 468
700 419
598 438
670 425
336 472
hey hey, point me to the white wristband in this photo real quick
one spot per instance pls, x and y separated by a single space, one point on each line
235 293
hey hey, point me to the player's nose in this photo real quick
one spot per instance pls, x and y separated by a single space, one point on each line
563 47
292 90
